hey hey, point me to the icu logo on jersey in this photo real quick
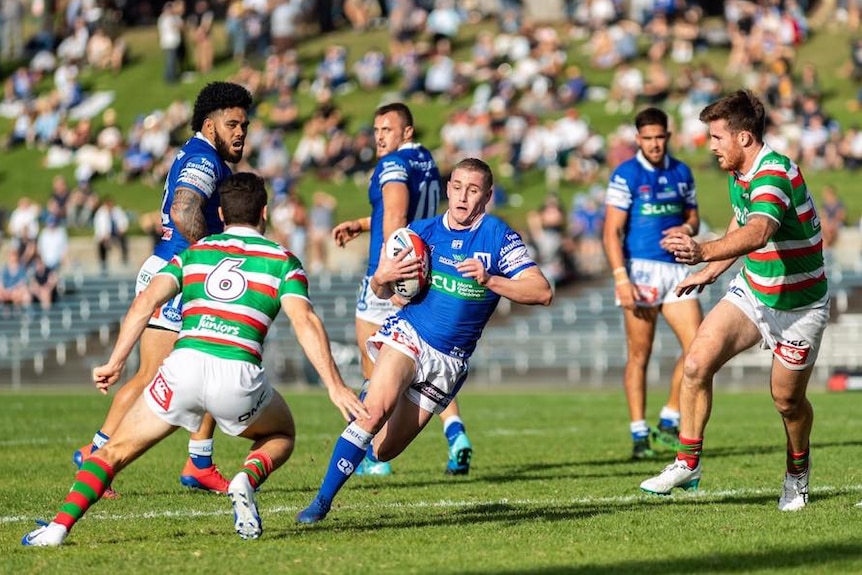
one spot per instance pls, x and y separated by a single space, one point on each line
793 352
483 257
644 192
160 392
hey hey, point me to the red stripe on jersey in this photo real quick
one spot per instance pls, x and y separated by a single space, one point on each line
806 216
777 173
250 350
771 198
226 315
785 287
194 278
262 288
797 180
233 250
789 253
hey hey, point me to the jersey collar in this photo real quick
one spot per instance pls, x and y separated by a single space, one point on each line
646 164
475 225
200 136
748 176
409 146
244 231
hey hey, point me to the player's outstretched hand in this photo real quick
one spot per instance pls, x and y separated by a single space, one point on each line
347 402
345 232
104 376
696 281
684 249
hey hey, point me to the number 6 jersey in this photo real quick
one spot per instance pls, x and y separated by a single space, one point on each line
232 285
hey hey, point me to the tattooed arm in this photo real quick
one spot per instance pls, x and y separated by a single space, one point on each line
187 211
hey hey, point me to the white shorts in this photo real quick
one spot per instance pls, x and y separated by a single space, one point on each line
190 383
170 315
656 282
793 336
438 376
371 308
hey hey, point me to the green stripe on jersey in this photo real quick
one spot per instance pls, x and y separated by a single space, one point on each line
788 273
232 286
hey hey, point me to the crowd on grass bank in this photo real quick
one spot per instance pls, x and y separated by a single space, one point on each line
516 100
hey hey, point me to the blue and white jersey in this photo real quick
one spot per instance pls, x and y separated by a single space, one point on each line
413 166
655 198
198 167
451 314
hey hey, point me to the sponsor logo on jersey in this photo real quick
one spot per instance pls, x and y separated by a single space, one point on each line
457 244
464 289
660 209
172 314
793 352
483 257
160 392
666 194
644 191
167 234
212 323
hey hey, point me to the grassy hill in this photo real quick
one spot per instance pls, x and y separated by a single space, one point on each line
139 89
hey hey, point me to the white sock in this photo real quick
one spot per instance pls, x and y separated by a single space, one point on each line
201 447
639 428
450 420
670 415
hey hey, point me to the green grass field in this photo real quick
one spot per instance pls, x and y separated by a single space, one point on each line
551 491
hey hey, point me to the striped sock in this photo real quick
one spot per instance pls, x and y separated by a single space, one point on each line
257 466
91 481
797 463
689 451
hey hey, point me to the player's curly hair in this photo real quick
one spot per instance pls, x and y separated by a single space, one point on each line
219 96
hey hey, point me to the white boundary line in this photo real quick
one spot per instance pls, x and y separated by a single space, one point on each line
449 504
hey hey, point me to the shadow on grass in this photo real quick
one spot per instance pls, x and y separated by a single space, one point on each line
822 558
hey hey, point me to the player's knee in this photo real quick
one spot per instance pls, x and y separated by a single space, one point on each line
790 407
697 368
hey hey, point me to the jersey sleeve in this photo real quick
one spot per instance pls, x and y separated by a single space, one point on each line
294 282
619 194
174 269
689 194
199 173
770 196
393 169
513 257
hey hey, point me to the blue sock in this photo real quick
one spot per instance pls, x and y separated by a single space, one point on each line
348 453
201 452
452 428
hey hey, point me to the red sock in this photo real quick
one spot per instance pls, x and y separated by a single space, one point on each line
91 481
797 463
257 466
689 451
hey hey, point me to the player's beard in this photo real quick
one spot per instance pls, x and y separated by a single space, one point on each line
225 151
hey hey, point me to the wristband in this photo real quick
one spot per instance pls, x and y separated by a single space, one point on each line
619 270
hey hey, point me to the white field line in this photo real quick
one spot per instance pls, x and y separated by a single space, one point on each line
449 504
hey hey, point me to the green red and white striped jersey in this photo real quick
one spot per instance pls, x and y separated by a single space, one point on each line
232 285
788 272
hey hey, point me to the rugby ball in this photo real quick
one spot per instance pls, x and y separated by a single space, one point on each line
401 239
